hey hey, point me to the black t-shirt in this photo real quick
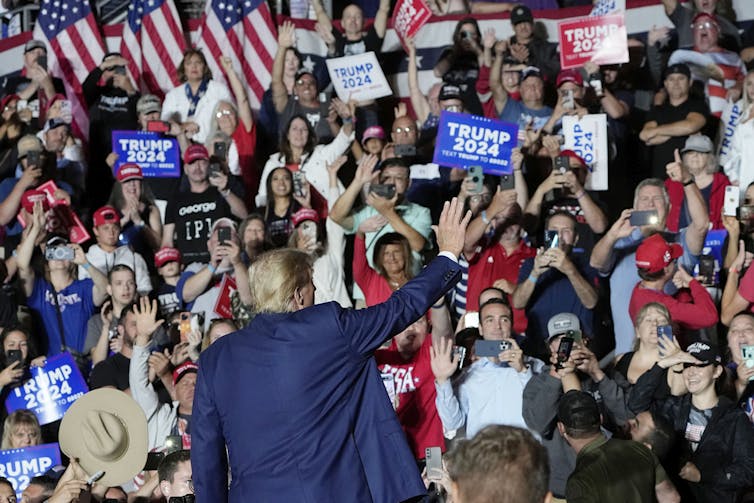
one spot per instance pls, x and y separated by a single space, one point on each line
463 72
369 42
667 114
111 372
168 300
193 215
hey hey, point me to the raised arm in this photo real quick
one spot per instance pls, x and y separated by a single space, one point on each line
499 94
286 40
697 229
418 100
380 19
602 253
25 249
239 91
340 213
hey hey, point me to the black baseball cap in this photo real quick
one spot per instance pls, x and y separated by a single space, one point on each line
677 68
521 14
579 410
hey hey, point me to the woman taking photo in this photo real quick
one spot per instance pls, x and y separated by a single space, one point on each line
281 205
18 354
141 226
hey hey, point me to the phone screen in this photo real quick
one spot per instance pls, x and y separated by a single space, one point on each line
564 349
641 218
551 239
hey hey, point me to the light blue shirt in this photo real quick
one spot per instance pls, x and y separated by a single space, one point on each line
487 393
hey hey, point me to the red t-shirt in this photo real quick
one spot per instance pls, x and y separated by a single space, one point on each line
746 287
415 389
246 144
492 264
692 312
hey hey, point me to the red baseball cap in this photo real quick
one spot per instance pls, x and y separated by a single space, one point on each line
194 153
707 15
182 369
304 214
129 171
573 155
654 253
165 255
569 75
32 196
106 215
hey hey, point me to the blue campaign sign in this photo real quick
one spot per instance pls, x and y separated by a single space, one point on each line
465 140
51 389
157 155
20 465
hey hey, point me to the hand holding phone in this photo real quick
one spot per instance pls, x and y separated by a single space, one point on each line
642 218
564 351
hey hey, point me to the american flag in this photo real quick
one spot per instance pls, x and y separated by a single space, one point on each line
70 31
153 43
242 30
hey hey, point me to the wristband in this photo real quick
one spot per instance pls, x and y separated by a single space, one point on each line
580 194
225 193
212 269
347 120
484 217
532 278
733 269
86 265
686 184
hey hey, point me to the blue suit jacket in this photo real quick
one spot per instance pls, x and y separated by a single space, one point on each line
299 402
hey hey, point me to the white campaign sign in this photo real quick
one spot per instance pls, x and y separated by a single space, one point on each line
358 77
588 138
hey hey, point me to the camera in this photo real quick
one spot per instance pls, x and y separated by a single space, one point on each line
386 190
119 70
59 253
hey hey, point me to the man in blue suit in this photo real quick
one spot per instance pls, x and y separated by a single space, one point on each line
296 396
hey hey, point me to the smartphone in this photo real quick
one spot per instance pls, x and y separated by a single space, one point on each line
173 443
388 380
507 182
158 127
59 253
732 201
551 240
459 351
404 150
568 102
433 458
562 163
477 176
14 355
42 61
32 158
564 350
665 332
221 150
298 183
119 70
707 269
214 169
197 321
747 352
184 325
596 84
642 218
490 348
223 234
471 320
576 336
308 229
153 460
386 190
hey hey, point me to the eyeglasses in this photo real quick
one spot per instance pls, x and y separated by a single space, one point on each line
453 108
305 82
706 24
222 113
406 130
480 198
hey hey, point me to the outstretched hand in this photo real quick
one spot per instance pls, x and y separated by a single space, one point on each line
451 230
146 320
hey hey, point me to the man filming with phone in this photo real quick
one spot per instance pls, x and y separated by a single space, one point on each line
490 390
556 279
613 255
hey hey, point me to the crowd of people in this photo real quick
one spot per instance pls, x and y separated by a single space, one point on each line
588 332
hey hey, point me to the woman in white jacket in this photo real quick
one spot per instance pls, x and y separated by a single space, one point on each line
299 151
327 251
739 165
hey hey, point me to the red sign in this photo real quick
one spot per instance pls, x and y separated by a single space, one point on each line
222 306
600 39
409 16
60 218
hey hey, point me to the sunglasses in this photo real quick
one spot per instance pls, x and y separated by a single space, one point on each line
222 113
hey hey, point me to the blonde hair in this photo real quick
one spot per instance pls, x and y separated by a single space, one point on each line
274 278
643 314
21 417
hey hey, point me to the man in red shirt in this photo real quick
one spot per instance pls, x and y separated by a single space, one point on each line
692 308
408 360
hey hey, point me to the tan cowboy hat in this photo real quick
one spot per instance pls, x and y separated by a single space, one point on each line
106 430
